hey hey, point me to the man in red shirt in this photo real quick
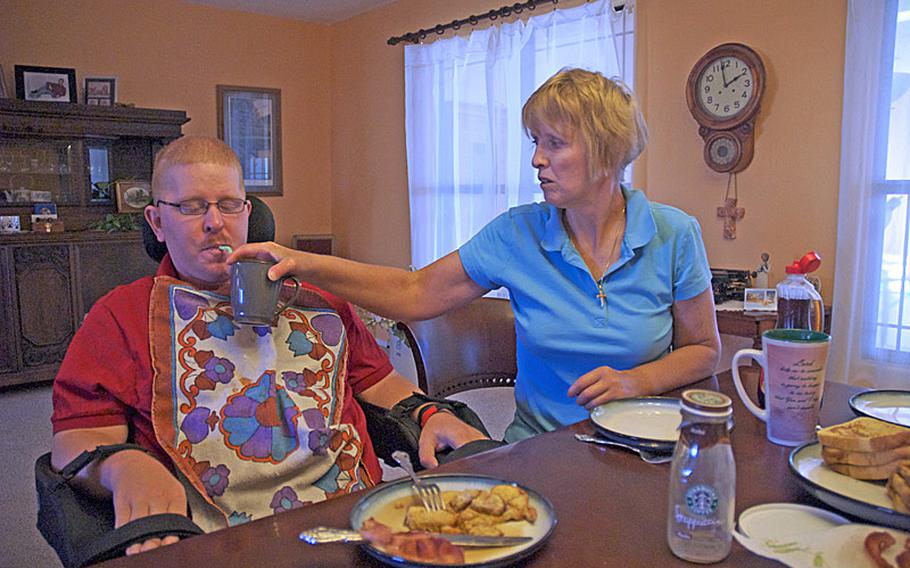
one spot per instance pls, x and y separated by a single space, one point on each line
109 387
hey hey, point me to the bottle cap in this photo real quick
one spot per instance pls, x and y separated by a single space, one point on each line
808 263
707 401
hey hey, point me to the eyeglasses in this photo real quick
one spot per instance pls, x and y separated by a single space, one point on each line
230 206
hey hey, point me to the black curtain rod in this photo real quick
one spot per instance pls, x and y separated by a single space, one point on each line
473 20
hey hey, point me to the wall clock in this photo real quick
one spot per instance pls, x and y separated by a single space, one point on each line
724 93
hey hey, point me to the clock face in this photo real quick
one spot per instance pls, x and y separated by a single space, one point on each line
725 87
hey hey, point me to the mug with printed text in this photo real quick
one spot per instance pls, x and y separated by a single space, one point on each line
793 361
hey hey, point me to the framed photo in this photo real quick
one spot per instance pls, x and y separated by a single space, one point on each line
760 300
133 196
319 244
48 209
100 91
56 84
249 121
4 94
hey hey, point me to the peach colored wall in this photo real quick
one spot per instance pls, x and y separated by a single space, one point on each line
167 54
789 191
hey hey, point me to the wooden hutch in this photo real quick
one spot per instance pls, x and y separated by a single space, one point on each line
64 153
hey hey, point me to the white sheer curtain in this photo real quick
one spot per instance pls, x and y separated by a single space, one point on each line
871 326
468 157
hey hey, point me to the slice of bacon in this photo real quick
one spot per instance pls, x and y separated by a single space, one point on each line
876 543
412 545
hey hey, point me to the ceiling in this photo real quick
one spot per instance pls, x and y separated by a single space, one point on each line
318 11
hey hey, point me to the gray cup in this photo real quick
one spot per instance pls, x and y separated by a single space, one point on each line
254 297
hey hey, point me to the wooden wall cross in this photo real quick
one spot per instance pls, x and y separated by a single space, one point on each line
730 213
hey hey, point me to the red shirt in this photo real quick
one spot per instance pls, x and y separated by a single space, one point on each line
106 376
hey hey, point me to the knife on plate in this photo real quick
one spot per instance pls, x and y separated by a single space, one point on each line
323 535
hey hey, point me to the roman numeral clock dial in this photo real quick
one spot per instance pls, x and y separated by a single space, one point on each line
724 94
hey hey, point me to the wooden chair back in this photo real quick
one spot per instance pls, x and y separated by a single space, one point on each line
466 348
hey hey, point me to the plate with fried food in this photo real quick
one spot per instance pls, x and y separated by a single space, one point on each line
869 499
889 405
475 505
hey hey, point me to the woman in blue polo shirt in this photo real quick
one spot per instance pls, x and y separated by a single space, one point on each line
602 281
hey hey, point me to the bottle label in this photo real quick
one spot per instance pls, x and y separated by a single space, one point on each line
701 503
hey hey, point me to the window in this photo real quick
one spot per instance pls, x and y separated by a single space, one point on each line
890 340
468 157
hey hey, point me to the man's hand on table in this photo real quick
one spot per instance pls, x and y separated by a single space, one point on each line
444 430
142 486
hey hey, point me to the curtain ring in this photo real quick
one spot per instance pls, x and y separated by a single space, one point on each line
506 12
422 34
439 29
456 25
517 8
472 19
492 15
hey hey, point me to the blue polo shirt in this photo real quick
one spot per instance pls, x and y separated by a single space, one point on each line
563 330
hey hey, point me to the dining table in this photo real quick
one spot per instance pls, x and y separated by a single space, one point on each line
611 507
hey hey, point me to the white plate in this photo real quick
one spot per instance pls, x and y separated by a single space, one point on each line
386 504
865 499
889 405
647 419
779 521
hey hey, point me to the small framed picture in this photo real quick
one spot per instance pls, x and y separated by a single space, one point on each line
9 224
45 209
100 91
319 244
133 196
56 84
760 300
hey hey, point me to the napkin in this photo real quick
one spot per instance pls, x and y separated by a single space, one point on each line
839 547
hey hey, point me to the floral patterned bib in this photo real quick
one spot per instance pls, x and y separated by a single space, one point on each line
251 415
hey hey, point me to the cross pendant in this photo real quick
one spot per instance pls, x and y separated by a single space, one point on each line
730 214
602 297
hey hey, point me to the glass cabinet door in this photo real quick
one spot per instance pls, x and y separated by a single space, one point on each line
35 171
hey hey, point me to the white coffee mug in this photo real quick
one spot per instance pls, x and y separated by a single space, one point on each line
794 362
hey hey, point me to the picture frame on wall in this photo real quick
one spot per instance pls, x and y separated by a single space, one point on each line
133 196
54 84
100 91
319 244
249 121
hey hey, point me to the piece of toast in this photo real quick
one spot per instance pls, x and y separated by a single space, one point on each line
899 490
864 434
835 455
867 472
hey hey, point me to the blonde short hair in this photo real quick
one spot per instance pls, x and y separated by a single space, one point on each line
602 111
192 150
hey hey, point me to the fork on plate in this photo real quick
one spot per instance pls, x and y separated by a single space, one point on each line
429 493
